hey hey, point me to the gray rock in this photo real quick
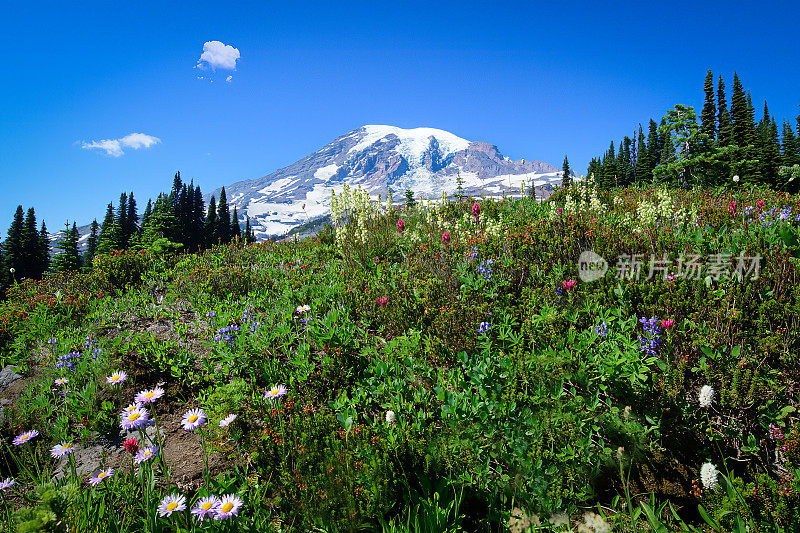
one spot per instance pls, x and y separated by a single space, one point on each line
7 377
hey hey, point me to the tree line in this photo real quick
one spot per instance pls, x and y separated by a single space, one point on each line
726 146
178 220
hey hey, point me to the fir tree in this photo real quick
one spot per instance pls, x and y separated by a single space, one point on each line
30 247
566 177
162 223
410 202
653 148
642 163
147 211
236 229
708 115
211 223
247 230
91 243
109 234
44 248
132 218
198 220
223 218
724 126
13 246
121 221
789 148
739 114
177 183
69 258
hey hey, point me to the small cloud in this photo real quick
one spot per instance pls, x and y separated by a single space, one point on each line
113 147
218 55
109 146
229 78
139 140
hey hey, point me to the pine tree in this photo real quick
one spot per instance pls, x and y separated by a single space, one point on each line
121 221
724 126
177 183
211 223
789 152
44 248
132 218
236 229
410 202
148 210
109 234
708 115
13 246
223 219
68 259
162 223
198 221
642 161
739 114
653 148
91 243
30 247
247 230
566 177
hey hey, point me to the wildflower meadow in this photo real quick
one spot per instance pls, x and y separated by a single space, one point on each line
439 367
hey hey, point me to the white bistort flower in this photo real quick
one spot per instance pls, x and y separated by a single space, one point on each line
706 395
390 417
708 476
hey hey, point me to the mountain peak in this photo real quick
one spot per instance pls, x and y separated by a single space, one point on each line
380 158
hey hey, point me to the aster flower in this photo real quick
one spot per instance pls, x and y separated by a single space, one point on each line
172 504
145 454
60 450
275 392
62 381
131 407
135 418
151 395
303 308
6 484
100 475
706 396
708 476
205 507
25 437
193 419
225 422
117 377
227 507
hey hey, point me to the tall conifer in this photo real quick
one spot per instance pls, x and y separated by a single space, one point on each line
211 223
566 177
724 126
708 116
223 218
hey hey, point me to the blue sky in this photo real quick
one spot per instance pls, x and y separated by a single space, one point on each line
537 79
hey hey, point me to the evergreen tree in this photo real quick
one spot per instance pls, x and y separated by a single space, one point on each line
177 184
642 164
223 218
91 243
132 218
162 223
30 247
724 126
236 229
121 221
109 234
566 177
14 245
653 147
708 116
247 230
147 212
789 152
410 202
69 258
44 248
211 223
198 221
739 114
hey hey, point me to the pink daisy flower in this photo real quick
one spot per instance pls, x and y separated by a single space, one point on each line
6 484
60 450
100 475
275 392
172 504
225 422
206 507
145 454
25 437
147 396
227 507
116 378
193 419
134 419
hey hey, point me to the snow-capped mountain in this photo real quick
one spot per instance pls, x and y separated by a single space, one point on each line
378 158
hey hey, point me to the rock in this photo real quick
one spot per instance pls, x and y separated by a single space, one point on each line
7 377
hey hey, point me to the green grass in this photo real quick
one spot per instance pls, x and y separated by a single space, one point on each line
553 411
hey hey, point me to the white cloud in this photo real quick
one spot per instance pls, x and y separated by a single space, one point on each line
229 78
113 147
109 146
218 55
139 140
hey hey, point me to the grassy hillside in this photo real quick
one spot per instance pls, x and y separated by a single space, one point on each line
450 372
